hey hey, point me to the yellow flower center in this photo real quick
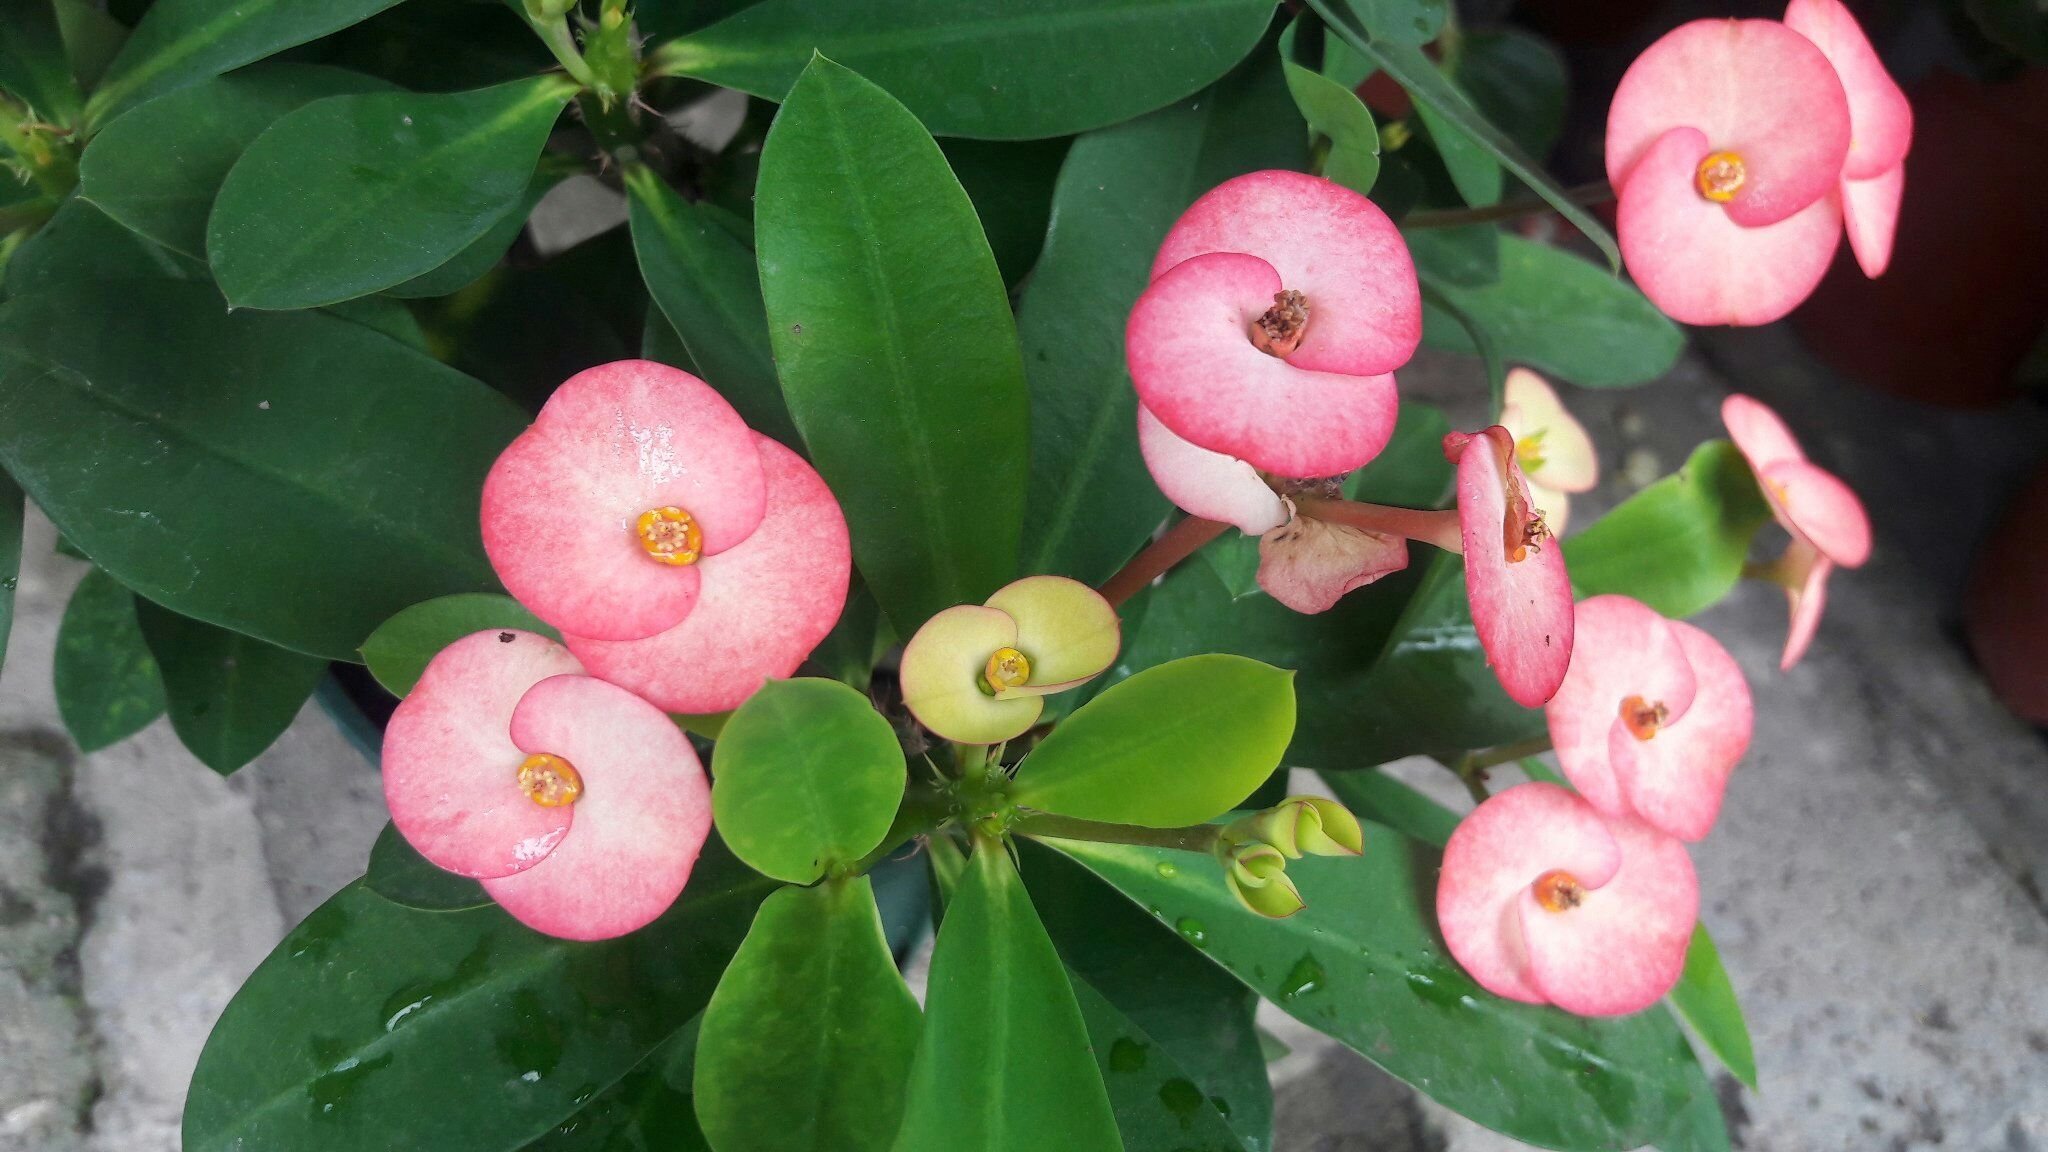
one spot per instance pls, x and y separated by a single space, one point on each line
1643 717
670 536
1007 668
1721 176
1559 891
550 781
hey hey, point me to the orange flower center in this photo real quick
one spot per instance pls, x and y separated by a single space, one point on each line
1559 891
1643 717
550 781
1721 176
1007 668
670 536
1279 331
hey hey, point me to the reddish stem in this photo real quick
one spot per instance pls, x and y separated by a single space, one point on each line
1430 527
1179 543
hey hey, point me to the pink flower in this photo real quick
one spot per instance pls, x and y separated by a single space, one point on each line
1556 455
1651 719
682 555
1514 571
1824 516
1279 306
1724 142
1880 129
580 806
1545 901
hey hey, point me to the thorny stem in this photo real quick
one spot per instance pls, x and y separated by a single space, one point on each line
1179 543
1472 767
1439 528
1196 838
1597 192
554 32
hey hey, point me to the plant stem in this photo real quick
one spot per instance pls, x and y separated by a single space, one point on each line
1597 192
1197 838
1506 753
1439 528
1179 543
924 811
556 35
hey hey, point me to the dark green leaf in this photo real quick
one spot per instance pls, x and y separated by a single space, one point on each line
92 38
664 19
1375 796
659 342
705 281
298 478
1364 964
848 652
893 336
807 1043
1560 314
1706 998
1474 171
377 1026
33 66
11 509
1335 112
81 246
1173 745
1679 544
1011 185
383 315
650 1109
404 877
398 651
992 69
106 680
1092 503
1004 1064
1701 1127
483 253
353 194
1402 21
182 41
1518 82
230 695
807 776
1466 257
157 169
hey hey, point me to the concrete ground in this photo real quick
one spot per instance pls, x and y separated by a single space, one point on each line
1873 882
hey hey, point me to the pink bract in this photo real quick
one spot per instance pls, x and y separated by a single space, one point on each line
1514 574
1804 573
765 604
1880 119
1309 564
1812 503
1543 900
1651 719
561 505
1207 484
1870 212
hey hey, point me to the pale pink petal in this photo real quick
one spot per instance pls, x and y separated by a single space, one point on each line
1309 564
1207 484
1812 502
1327 242
1546 432
561 504
451 768
1674 781
1624 946
1870 210
1696 263
1621 649
1807 596
1759 433
1502 848
766 603
640 822
1196 368
1521 608
1752 87
944 682
1880 119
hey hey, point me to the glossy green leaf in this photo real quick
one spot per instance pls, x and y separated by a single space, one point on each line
92 38
806 1045
33 66
398 651
158 169
848 653
298 478
406 878
1172 745
230 696
1402 21
1679 544
1517 81
1336 113
483 253
1364 964
179 42
385 316
806 777
353 194
650 1109
1011 184
378 1026
1373 795
1467 257
82 246
1092 503
1004 1064
893 336
11 510
1706 998
994 69
1560 315
706 283
1473 169
106 679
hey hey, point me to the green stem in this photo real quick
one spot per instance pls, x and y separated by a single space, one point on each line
1472 767
1597 192
1439 528
925 810
1180 542
554 32
1044 825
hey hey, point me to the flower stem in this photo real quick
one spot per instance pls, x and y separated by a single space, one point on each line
924 811
1180 542
1439 528
1597 192
1197 838
1506 753
553 31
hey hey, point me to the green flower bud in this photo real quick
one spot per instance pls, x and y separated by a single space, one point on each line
1326 828
1257 875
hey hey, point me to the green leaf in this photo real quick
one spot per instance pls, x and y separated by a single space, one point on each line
1474 171
11 511
1559 314
893 336
230 696
377 1026
297 478
33 66
992 69
158 169
182 41
705 281
1467 257
1011 185
1373 795
383 315
1092 502
1517 81
353 194
807 1043
1335 112
650 1108
81 246
106 680
1173 745
1679 544
406 878
807 777
1706 998
1364 964
398 651
92 38
848 653
1402 21
483 253
1004 1064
